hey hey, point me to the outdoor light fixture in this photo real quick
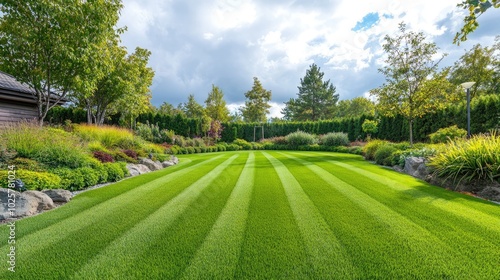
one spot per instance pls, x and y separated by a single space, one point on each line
467 86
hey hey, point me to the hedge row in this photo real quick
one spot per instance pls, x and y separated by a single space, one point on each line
485 115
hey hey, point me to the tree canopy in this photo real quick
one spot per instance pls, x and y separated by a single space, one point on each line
479 65
216 105
474 8
193 109
413 86
353 108
50 44
316 98
257 103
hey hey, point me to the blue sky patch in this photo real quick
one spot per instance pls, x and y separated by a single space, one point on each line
367 22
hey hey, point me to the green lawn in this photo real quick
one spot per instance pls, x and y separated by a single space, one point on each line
262 215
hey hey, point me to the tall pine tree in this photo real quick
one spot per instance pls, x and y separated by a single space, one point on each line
257 103
316 98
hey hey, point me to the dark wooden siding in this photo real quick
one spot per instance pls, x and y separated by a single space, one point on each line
14 112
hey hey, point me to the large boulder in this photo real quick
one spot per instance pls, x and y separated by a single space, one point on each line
415 166
491 193
174 159
152 165
44 201
137 169
25 205
59 195
167 163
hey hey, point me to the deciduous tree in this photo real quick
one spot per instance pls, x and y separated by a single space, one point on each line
413 87
476 65
49 44
474 8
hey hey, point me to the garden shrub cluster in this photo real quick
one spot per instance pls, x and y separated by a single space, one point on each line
73 158
32 180
477 158
447 133
390 154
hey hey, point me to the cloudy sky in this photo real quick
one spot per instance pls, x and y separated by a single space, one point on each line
195 44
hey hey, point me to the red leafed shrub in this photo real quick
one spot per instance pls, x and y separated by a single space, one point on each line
166 145
130 153
103 157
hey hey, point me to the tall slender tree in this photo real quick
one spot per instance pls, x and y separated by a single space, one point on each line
192 108
316 98
257 103
216 105
413 86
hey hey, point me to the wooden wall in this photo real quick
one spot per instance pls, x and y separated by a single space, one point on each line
14 112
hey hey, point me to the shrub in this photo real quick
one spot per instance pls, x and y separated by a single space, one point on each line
243 144
198 142
109 136
299 138
167 136
90 176
335 139
371 147
53 147
369 127
232 147
221 147
153 148
384 153
175 150
116 171
257 146
103 156
448 133
130 153
357 150
281 140
33 180
28 164
474 159
70 180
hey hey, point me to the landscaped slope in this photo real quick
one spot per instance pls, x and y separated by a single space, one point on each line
250 215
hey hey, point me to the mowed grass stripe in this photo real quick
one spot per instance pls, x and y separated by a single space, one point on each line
92 198
170 254
273 247
457 208
365 239
218 256
53 234
323 248
428 250
117 256
464 237
68 253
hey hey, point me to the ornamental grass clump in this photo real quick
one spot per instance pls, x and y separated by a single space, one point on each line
108 136
53 147
299 138
474 159
335 139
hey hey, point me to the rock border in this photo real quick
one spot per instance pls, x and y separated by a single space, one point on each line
31 203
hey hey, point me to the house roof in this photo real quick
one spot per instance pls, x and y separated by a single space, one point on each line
12 89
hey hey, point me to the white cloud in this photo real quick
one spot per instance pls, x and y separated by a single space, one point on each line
227 42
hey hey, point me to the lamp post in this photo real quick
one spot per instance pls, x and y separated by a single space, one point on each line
467 87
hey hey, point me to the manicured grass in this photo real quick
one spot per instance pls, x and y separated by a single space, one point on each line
262 215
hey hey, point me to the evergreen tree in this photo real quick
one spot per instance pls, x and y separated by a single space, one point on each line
316 98
192 108
257 103
216 105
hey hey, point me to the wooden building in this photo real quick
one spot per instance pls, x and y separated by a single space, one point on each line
17 100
